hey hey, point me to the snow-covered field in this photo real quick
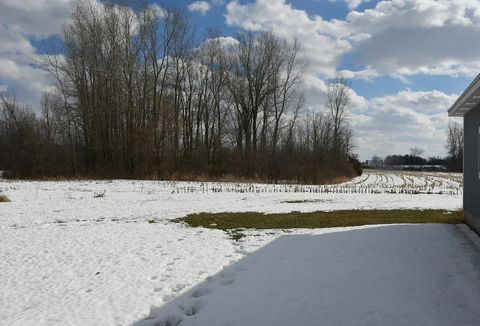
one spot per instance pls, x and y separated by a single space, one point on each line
68 258
126 201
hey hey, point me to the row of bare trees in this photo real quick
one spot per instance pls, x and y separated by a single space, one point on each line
137 94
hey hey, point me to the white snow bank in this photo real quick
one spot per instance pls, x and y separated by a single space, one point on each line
391 275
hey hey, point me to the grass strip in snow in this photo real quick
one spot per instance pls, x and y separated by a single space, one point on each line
318 219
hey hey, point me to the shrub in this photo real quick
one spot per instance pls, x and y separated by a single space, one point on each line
4 199
357 166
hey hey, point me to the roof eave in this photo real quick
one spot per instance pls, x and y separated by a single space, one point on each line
469 99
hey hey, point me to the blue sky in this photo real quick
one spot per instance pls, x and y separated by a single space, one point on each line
407 60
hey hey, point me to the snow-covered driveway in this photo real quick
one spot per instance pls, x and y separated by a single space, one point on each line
390 275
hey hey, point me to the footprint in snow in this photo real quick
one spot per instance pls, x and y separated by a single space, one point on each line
240 268
191 309
226 281
227 274
168 297
241 252
170 320
179 287
201 292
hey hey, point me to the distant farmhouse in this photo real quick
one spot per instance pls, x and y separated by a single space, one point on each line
468 107
375 162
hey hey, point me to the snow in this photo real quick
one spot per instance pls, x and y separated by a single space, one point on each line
389 275
67 258
136 201
100 274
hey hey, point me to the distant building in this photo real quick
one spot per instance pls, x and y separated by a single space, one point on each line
468 107
375 162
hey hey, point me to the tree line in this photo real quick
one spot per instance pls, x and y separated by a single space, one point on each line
138 94
452 162
408 159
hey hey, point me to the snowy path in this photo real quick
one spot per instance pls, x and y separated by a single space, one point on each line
390 275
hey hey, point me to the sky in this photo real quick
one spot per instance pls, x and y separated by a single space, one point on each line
407 60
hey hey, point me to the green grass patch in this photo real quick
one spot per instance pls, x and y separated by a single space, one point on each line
319 219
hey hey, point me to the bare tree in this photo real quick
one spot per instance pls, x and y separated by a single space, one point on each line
416 152
286 96
455 146
137 95
338 100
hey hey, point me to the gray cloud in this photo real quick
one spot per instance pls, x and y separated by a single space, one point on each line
21 20
408 37
34 17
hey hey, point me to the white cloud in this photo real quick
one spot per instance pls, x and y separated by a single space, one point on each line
21 20
395 123
225 42
322 47
391 124
352 4
399 38
366 74
199 6
159 11
12 41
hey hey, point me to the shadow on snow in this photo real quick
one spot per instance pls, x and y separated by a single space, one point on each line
389 275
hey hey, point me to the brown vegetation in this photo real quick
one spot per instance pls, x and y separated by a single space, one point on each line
4 199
